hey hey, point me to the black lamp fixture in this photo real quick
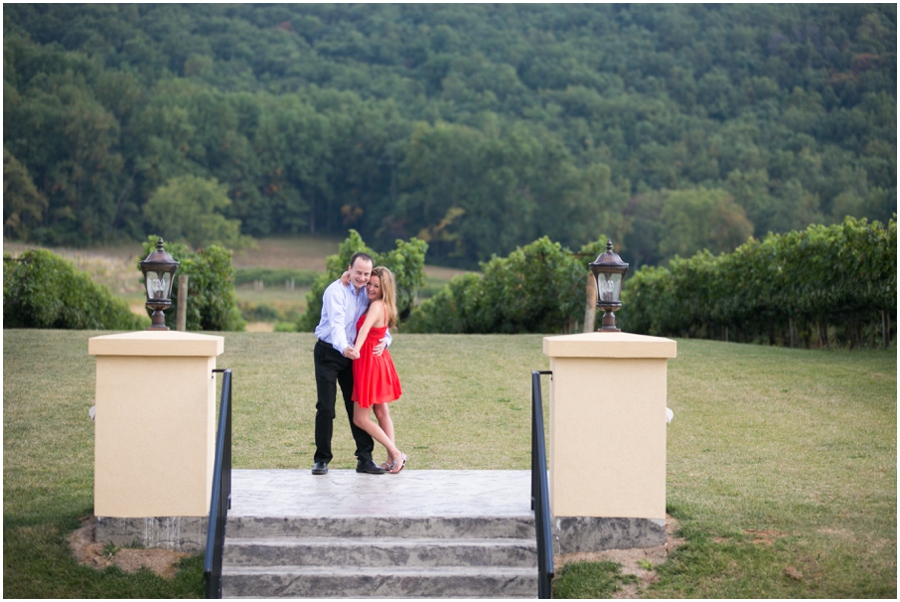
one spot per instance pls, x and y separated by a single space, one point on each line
609 271
159 271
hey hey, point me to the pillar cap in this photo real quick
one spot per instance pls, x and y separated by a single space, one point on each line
151 343
618 345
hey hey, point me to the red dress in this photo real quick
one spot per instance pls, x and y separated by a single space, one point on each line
374 377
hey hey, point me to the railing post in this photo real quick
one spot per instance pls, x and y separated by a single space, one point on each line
220 500
540 491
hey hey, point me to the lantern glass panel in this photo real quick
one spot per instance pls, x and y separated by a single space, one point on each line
158 284
609 286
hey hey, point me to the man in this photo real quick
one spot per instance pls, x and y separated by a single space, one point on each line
342 306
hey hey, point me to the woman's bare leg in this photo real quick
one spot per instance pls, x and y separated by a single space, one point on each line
362 420
383 415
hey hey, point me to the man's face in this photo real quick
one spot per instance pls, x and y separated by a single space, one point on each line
360 271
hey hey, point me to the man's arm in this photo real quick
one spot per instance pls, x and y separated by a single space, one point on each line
380 347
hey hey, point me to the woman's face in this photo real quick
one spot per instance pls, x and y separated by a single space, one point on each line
373 289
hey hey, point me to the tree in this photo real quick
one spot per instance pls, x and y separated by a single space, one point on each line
23 204
406 261
702 219
66 139
187 209
530 120
750 190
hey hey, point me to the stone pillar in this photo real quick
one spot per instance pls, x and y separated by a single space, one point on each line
154 443
608 440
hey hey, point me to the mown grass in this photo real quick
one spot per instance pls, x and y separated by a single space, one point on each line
459 409
782 463
48 453
306 252
782 472
590 580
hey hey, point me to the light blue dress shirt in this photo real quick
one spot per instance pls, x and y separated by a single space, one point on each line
342 307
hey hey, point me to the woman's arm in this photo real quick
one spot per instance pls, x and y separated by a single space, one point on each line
373 317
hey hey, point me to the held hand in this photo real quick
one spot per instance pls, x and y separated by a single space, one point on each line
379 348
345 278
351 353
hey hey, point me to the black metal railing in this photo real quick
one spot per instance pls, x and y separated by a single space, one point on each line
540 491
220 500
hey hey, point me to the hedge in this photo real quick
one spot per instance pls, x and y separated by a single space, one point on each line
43 290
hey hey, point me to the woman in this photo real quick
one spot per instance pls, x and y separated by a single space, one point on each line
375 381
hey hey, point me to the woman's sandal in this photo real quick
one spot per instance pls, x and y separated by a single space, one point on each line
402 462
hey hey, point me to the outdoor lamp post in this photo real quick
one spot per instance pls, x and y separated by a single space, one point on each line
609 270
159 270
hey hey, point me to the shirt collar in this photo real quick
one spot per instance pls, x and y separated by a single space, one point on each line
355 291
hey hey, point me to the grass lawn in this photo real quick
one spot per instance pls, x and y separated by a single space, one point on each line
782 470
302 252
48 455
782 463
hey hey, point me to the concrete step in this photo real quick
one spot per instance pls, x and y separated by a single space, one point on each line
433 527
418 534
379 582
381 552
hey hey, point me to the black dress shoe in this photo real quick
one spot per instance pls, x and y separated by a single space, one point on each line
369 467
320 468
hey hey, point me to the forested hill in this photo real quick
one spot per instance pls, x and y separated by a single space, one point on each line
669 128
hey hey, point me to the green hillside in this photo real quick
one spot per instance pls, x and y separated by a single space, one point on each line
475 127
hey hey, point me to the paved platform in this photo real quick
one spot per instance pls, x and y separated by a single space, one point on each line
410 493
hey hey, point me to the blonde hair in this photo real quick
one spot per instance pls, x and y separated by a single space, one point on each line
388 293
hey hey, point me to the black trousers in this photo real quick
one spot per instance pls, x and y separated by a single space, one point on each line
332 369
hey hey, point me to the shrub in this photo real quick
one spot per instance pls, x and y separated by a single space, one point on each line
537 288
260 312
212 302
406 261
795 286
43 290
253 312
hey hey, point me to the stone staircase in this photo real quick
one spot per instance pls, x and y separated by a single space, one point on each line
436 534
380 557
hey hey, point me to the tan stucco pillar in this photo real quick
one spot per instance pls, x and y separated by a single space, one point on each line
154 424
608 439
